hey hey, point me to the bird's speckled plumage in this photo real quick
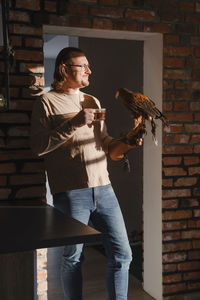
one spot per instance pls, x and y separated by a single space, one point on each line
140 104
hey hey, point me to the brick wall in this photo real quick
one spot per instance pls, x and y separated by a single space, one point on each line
22 176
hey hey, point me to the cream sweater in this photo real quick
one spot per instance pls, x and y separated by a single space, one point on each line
73 160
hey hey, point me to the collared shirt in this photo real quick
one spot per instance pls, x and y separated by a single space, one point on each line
74 158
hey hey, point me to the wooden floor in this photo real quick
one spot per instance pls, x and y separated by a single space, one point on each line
94 277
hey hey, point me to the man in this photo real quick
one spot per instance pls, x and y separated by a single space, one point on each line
74 149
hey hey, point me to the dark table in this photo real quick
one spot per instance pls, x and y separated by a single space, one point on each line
25 227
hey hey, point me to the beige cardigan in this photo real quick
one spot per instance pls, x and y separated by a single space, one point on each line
75 159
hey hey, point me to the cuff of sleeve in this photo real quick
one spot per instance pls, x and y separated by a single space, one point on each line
69 127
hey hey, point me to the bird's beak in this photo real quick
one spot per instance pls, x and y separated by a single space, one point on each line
117 94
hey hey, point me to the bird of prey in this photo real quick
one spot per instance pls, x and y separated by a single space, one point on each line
141 105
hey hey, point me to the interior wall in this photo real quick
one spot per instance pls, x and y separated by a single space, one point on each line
114 64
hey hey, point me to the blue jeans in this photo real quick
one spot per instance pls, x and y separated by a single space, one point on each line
99 205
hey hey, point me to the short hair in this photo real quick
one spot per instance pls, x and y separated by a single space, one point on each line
63 57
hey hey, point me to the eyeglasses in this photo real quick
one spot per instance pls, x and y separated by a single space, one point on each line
83 67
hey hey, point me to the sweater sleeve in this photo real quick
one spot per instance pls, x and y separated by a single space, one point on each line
48 132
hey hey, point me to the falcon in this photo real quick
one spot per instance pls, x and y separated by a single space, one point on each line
141 105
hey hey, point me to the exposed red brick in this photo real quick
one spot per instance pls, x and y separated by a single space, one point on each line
59 20
27 179
174 171
28 4
176 215
17 143
194 85
20 16
196 213
167 106
125 2
172 278
77 21
168 139
41 286
191 160
156 27
172 62
25 30
177 246
3 180
4 193
194 170
175 74
29 55
174 225
142 15
50 6
194 285
173 288
14 118
180 116
19 131
190 234
167 182
197 149
125 25
194 18
191 275
16 40
186 6
185 181
42 274
194 254
192 128
195 74
7 168
196 244
190 265
89 1
16 155
31 192
183 149
195 106
195 40
178 51
77 9
21 105
34 42
173 203
174 257
170 236
194 223
100 23
197 117
170 17
179 85
197 52
109 12
32 167
181 106
171 39
173 128
181 139
178 94
33 68
169 267
109 2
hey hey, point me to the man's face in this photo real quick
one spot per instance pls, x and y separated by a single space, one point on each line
77 76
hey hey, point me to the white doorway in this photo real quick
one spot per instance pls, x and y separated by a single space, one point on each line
152 197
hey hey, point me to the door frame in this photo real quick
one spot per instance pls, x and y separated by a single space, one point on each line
152 155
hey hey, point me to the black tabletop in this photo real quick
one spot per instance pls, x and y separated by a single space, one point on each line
32 227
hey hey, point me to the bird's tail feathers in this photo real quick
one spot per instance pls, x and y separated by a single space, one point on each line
163 119
153 130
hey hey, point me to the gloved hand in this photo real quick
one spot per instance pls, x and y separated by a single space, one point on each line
118 147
